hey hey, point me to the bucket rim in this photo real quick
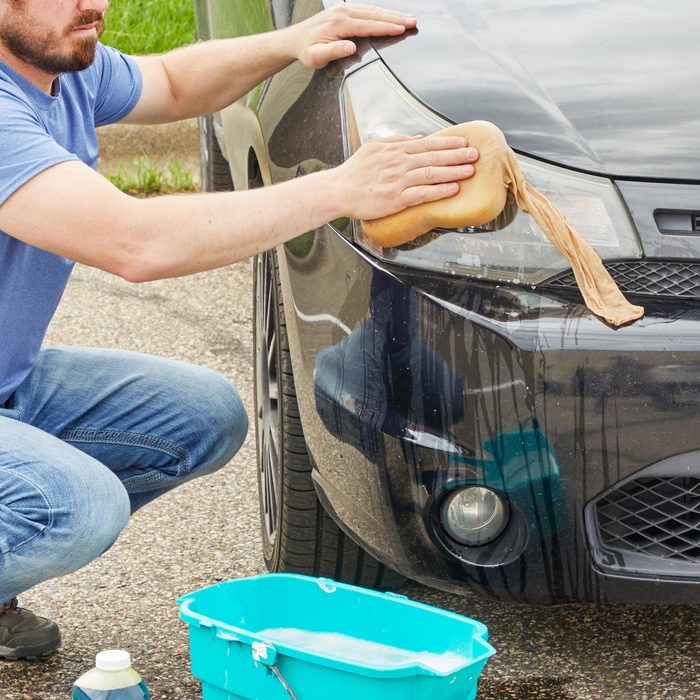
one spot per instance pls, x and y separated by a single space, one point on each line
233 634
320 581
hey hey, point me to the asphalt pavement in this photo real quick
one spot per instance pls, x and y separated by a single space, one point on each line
208 531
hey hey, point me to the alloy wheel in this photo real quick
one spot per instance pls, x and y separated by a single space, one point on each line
267 395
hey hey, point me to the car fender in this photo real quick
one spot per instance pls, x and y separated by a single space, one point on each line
241 133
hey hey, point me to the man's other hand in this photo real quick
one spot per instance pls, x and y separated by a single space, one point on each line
324 37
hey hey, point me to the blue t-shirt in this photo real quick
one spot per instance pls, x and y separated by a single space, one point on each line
37 131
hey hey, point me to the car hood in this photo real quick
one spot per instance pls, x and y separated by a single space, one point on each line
606 86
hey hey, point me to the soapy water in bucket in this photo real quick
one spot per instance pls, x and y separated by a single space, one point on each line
352 649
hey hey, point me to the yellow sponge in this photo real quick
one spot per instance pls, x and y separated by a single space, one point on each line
480 199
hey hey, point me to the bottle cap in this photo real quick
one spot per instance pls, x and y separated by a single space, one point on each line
113 660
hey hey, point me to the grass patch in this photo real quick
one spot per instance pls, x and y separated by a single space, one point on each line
144 178
145 27
149 26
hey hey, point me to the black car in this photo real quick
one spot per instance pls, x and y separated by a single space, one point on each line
449 410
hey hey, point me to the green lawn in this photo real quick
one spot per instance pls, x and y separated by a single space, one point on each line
149 26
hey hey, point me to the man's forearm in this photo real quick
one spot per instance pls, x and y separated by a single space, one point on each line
208 76
147 239
193 233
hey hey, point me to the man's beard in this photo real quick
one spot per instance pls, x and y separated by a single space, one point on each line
45 52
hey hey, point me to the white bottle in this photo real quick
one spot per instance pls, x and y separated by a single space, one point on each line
111 679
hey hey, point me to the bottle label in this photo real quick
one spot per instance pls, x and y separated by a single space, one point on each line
134 692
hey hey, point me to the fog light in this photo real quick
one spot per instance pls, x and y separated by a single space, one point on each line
474 515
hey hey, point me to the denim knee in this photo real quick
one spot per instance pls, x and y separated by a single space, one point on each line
59 516
226 421
86 523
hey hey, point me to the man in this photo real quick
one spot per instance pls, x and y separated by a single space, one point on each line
88 436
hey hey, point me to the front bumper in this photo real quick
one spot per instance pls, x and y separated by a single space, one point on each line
435 382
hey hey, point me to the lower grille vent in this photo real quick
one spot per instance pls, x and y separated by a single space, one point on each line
675 278
654 516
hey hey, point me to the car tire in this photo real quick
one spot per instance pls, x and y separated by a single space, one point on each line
298 535
214 171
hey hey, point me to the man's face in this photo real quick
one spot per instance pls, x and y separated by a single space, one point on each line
55 36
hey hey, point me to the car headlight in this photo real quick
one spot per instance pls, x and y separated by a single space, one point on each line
512 248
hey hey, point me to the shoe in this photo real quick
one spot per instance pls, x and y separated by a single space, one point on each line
24 635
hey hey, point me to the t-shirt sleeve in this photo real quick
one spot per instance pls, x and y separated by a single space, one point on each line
119 85
26 149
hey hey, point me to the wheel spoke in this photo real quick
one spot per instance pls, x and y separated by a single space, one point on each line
273 385
273 474
270 501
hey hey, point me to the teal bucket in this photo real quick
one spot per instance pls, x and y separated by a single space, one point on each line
282 636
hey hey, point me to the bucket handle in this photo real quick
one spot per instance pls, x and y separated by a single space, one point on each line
265 653
284 683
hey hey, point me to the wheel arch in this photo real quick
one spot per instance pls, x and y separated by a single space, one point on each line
241 135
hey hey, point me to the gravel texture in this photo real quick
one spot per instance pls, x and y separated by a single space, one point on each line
208 531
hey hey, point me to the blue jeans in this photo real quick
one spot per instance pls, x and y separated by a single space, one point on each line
89 437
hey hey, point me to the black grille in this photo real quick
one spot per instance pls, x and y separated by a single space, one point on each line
654 516
647 277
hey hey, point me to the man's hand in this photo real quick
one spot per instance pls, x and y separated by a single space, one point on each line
324 37
386 176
